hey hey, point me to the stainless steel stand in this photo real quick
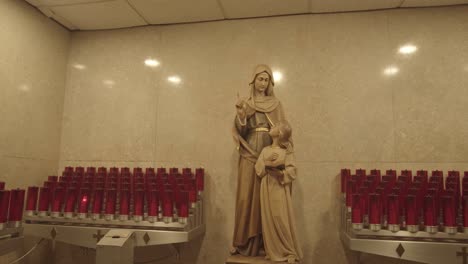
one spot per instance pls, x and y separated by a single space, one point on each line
420 246
115 240
10 240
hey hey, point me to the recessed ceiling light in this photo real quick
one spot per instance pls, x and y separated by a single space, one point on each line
174 79
151 63
391 70
277 76
407 49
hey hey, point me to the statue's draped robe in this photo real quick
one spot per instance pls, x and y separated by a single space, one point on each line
279 231
262 113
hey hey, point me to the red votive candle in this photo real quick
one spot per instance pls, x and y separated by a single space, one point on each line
350 190
183 210
52 178
124 205
450 214
393 212
168 207
111 196
4 202
465 213
411 213
192 197
31 200
200 179
345 176
356 212
70 202
430 214
153 206
15 214
44 199
84 199
56 206
138 205
97 203
2 185
375 209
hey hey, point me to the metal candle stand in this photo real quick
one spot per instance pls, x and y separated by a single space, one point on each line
114 234
429 244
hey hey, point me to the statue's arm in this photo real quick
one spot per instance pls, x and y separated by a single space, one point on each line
260 166
241 125
289 171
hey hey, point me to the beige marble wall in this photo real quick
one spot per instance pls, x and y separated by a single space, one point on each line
33 57
344 110
34 53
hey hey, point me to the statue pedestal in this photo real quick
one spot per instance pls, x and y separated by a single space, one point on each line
239 259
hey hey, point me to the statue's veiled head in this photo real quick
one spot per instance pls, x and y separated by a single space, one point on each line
262 80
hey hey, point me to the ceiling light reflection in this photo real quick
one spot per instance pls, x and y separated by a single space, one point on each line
24 87
174 79
408 49
79 66
108 83
277 76
152 63
391 70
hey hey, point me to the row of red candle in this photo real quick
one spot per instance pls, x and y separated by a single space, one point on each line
407 192
421 176
126 170
125 177
413 213
109 203
11 207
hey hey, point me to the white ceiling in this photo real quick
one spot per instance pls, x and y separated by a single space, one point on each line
109 14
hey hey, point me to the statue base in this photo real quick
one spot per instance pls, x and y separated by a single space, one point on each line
239 259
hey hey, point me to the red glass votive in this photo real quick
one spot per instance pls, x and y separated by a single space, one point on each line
411 215
138 205
183 209
2 185
149 171
4 202
356 212
52 178
167 206
16 207
375 209
200 179
31 200
161 170
98 198
57 202
186 171
192 197
153 205
102 170
430 214
345 176
173 170
83 201
450 214
111 196
364 194
393 212
70 202
375 172
44 200
124 205
465 213
350 190
392 173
